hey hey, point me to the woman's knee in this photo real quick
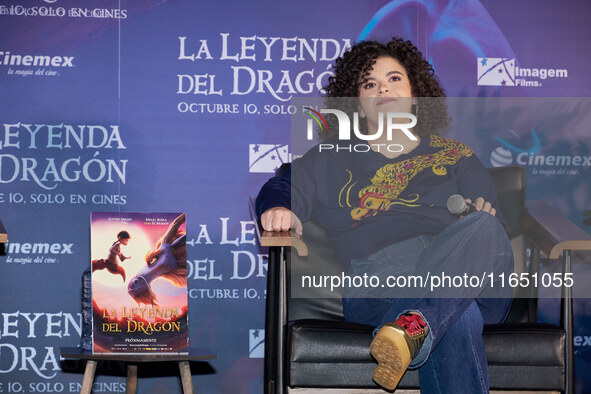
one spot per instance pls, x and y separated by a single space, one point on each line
471 320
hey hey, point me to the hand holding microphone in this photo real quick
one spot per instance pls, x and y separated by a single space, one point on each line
458 205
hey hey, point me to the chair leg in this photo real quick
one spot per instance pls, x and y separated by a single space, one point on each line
274 322
281 320
131 379
532 300
185 369
88 377
566 321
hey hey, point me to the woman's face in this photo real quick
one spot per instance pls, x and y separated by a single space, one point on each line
387 89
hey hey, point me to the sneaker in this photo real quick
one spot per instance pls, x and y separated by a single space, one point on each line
395 345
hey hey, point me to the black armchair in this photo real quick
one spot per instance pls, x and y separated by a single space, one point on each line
310 347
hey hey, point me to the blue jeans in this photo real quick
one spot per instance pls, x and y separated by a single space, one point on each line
452 358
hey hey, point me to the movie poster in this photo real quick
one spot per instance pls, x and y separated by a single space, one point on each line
139 283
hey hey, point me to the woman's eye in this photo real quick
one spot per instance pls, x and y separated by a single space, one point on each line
368 85
395 79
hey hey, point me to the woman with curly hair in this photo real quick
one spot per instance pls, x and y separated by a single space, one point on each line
384 208
352 72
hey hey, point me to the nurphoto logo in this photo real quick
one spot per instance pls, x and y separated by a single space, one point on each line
394 121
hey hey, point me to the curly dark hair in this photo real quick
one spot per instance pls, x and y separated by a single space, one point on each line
352 69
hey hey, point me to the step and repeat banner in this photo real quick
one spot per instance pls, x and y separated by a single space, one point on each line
184 106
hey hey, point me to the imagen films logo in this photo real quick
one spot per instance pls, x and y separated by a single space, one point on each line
267 158
392 120
256 343
495 71
499 71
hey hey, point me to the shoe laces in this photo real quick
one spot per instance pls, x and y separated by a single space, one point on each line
412 323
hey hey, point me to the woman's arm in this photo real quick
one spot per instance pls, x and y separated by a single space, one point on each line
281 203
475 184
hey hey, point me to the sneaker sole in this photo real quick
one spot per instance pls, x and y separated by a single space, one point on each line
393 356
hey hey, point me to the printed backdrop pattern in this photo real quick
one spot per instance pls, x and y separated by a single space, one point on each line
184 106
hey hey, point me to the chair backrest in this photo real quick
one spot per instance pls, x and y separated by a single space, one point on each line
510 187
321 303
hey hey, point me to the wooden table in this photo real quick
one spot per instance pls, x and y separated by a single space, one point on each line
132 360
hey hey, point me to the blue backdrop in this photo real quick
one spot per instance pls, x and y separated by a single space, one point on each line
185 106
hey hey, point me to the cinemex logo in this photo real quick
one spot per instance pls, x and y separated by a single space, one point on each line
582 340
497 71
392 123
8 59
36 253
40 247
542 164
503 155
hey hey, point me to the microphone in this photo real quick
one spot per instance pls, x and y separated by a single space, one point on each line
457 205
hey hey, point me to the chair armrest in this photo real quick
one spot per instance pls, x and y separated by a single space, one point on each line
277 238
548 229
551 231
3 234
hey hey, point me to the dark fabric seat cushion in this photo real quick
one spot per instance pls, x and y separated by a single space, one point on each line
325 353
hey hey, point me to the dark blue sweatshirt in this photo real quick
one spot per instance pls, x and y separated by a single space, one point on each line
366 201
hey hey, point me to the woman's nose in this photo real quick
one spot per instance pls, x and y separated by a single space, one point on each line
383 88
